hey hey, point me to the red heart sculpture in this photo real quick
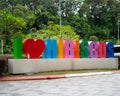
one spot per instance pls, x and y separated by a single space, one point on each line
33 48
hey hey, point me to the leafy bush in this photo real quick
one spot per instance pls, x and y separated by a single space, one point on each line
93 38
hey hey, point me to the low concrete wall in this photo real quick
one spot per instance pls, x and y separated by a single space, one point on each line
16 66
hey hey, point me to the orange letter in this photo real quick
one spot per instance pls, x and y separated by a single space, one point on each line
60 44
76 49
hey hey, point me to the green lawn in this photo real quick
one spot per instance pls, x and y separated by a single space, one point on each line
61 72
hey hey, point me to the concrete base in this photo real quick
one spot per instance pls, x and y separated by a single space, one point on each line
17 66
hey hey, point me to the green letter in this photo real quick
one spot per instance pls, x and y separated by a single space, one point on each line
17 48
84 53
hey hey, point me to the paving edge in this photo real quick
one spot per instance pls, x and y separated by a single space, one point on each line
56 76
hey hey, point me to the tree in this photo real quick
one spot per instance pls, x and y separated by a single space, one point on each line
9 24
103 15
27 15
52 31
81 26
10 27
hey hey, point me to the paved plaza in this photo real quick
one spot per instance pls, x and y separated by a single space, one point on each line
100 85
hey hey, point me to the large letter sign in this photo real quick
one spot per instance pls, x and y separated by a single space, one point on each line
93 50
84 49
17 50
110 52
68 49
33 48
50 49
76 49
62 49
101 49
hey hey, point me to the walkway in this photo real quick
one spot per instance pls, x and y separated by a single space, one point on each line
98 85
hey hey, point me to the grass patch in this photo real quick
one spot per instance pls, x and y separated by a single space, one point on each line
73 71
61 72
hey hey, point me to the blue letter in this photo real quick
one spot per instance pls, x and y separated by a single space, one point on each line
50 49
109 48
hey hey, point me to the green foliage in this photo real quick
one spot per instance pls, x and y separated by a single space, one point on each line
54 31
10 27
81 19
27 15
93 38
9 24
102 33
81 26
103 16
8 46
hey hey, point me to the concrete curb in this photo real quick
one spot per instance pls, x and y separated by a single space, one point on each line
31 78
56 76
87 74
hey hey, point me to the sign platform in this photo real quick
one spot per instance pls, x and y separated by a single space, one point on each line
18 66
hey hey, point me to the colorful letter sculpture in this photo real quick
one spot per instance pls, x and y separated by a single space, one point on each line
93 52
62 49
33 48
17 48
50 49
76 49
110 52
101 49
84 53
68 49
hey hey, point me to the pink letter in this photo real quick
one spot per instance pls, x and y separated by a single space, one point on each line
93 53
